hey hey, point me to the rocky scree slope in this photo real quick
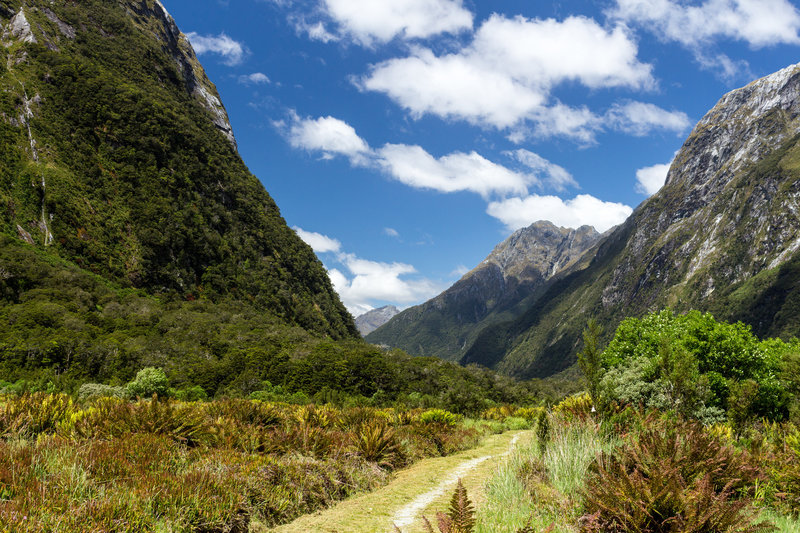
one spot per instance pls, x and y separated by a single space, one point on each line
117 155
513 273
722 235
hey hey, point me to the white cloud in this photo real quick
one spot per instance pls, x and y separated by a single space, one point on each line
371 21
365 282
650 179
550 173
232 51
455 172
757 22
316 31
417 168
582 210
319 243
505 77
368 282
391 232
639 118
459 271
328 135
256 78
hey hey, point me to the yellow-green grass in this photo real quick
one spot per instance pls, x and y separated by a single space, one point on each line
373 512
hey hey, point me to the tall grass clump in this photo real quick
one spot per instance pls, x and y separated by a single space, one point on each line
539 484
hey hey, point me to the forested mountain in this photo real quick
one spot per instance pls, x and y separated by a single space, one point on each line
513 274
131 232
117 155
722 235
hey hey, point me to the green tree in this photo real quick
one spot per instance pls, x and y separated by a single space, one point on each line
149 381
589 360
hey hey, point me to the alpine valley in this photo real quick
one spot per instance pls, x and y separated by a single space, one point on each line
722 235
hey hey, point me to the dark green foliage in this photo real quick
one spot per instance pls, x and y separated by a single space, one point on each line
141 187
692 364
543 431
672 478
589 360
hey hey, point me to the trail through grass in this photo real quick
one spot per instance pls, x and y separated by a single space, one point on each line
424 487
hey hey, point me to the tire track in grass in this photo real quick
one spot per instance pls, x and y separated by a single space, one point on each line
410 513
410 493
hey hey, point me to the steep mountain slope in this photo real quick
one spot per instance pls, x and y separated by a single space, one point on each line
117 155
372 320
723 235
515 270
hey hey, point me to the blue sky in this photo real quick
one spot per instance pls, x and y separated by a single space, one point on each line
404 139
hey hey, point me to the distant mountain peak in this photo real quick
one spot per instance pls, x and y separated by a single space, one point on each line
514 271
372 320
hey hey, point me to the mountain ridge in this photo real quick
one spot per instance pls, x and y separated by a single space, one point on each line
715 237
515 270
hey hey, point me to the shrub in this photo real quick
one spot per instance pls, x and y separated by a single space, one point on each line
673 477
149 381
99 390
439 416
376 442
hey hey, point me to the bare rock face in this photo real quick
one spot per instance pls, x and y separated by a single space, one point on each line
515 270
18 29
372 320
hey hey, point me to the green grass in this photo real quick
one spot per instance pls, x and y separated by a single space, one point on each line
514 499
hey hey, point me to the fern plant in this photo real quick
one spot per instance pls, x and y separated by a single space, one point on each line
674 477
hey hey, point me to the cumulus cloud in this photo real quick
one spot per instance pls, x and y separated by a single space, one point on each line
650 179
415 167
505 77
231 51
639 119
391 232
367 282
316 31
455 172
318 242
756 22
550 173
256 78
362 283
370 21
582 210
329 135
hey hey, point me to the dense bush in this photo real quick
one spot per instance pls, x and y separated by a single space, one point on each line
148 382
696 366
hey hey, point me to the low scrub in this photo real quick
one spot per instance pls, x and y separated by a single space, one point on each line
675 477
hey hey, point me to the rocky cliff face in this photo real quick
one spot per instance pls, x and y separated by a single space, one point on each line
722 235
154 17
514 271
372 320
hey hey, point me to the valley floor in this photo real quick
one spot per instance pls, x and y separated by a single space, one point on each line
419 490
